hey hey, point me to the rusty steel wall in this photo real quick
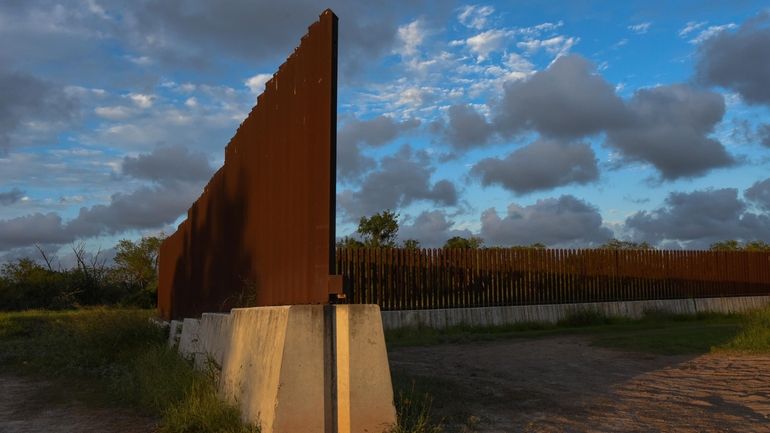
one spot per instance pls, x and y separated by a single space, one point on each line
262 232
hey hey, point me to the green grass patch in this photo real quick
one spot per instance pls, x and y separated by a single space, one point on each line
414 410
577 322
431 404
657 332
754 335
676 338
588 317
120 354
424 336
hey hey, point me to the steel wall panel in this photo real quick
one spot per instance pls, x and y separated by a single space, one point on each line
262 231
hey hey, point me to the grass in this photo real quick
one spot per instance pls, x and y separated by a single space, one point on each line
656 332
120 354
430 404
674 339
754 335
414 411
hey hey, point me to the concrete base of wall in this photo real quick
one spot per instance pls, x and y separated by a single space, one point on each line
271 363
174 333
552 313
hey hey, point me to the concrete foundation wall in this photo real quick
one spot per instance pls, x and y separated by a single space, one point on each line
270 361
552 313
364 388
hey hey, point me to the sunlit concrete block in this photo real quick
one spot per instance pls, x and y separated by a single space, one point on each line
174 333
364 388
271 364
189 344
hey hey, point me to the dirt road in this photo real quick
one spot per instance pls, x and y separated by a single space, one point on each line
557 384
35 406
563 384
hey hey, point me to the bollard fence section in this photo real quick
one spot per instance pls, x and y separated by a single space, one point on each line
410 279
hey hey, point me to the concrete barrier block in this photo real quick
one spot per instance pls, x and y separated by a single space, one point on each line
364 388
174 332
252 363
189 343
214 335
299 401
272 365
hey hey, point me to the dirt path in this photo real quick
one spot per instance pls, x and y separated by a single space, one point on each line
563 384
559 384
33 406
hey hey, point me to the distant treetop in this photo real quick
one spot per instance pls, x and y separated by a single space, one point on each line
734 245
617 244
472 242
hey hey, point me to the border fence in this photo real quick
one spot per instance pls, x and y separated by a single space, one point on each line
412 279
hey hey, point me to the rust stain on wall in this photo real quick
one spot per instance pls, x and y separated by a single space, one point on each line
262 232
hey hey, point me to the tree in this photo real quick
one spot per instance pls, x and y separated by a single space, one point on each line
728 245
734 245
89 276
379 230
757 246
348 242
616 244
472 242
136 266
411 244
535 246
25 284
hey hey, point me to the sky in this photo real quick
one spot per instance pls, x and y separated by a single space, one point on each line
565 123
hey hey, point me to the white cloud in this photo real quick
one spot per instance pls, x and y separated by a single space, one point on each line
640 28
413 96
514 67
141 100
475 16
539 28
140 60
619 44
487 42
114 113
517 63
411 37
83 91
712 31
191 102
440 61
187 87
557 45
96 9
257 83
690 27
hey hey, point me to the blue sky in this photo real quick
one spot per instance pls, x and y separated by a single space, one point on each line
565 123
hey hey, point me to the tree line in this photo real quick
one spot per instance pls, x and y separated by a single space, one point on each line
131 280
381 231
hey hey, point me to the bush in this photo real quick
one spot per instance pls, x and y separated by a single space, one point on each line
122 354
132 281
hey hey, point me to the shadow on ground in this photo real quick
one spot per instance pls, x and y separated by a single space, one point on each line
566 383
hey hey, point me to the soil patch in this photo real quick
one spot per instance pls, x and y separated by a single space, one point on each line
30 405
564 384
